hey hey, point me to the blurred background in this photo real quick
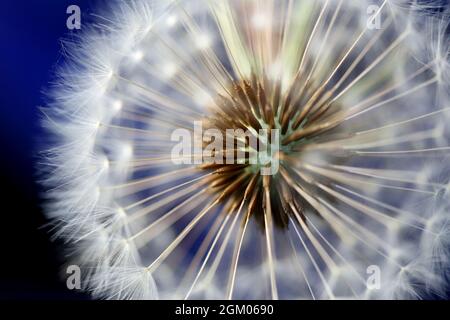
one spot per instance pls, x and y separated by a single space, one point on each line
30 32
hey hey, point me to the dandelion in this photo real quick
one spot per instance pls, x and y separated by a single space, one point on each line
360 103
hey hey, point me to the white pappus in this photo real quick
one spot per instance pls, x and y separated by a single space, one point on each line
360 93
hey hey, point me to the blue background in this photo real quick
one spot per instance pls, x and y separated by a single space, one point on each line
30 33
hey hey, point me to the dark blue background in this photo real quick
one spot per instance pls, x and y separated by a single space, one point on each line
30 33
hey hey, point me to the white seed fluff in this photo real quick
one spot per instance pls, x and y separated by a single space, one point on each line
364 180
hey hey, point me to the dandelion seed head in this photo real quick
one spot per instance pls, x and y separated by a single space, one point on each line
362 179
203 41
117 106
260 20
171 20
138 56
